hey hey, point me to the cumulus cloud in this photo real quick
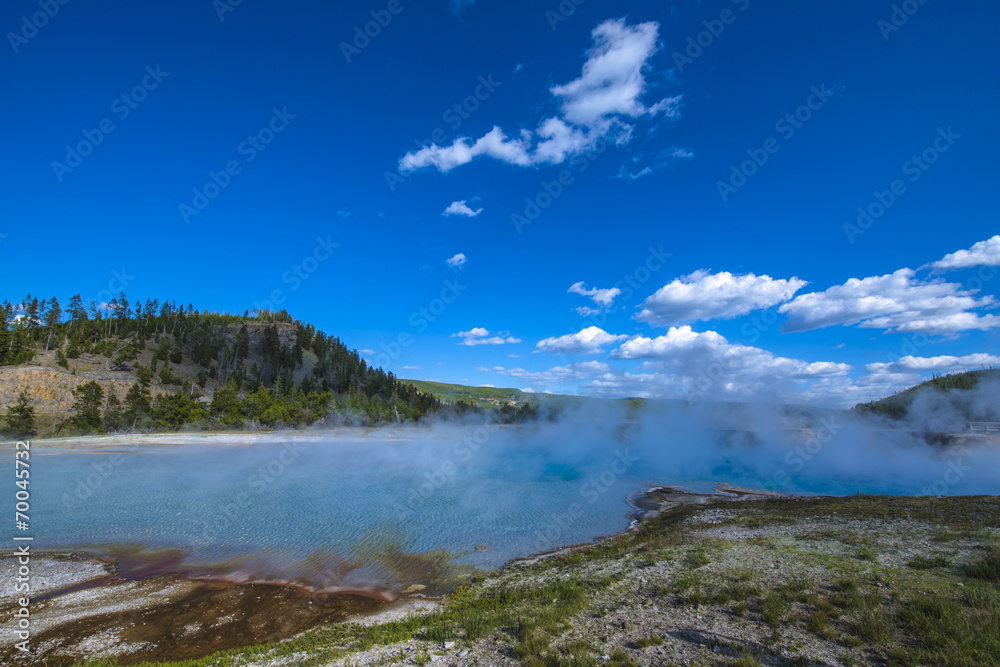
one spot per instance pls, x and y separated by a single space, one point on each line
367 351
608 91
911 364
691 353
708 296
895 302
704 365
481 336
602 297
556 375
588 341
457 262
586 311
984 253
461 208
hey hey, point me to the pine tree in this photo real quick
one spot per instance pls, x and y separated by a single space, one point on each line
138 403
77 313
20 417
177 353
52 319
89 400
242 344
114 418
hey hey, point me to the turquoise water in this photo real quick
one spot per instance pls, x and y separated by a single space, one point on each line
349 509
320 511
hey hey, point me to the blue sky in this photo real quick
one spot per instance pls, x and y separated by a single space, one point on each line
629 199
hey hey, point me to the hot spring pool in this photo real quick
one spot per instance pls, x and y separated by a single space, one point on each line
383 509
325 510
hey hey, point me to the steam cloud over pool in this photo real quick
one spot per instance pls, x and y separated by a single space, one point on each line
385 510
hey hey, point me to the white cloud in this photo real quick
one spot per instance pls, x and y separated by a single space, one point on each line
457 262
836 390
608 91
602 297
461 208
708 296
588 341
894 302
410 368
911 364
692 354
984 253
474 332
559 374
367 351
587 311
481 336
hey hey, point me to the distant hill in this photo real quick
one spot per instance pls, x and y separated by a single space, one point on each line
898 405
129 365
483 397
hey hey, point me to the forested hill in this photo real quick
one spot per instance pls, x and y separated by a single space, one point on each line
898 405
160 365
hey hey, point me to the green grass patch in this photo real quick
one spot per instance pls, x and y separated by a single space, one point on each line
773 608
948 632
865 553
922 562
819 623
987 568
698 558
874 625
818 535
646 642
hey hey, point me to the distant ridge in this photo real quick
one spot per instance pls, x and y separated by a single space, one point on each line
483 397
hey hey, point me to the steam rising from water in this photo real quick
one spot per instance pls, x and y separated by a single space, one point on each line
393 509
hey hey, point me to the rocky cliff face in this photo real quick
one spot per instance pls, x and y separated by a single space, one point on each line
51 389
